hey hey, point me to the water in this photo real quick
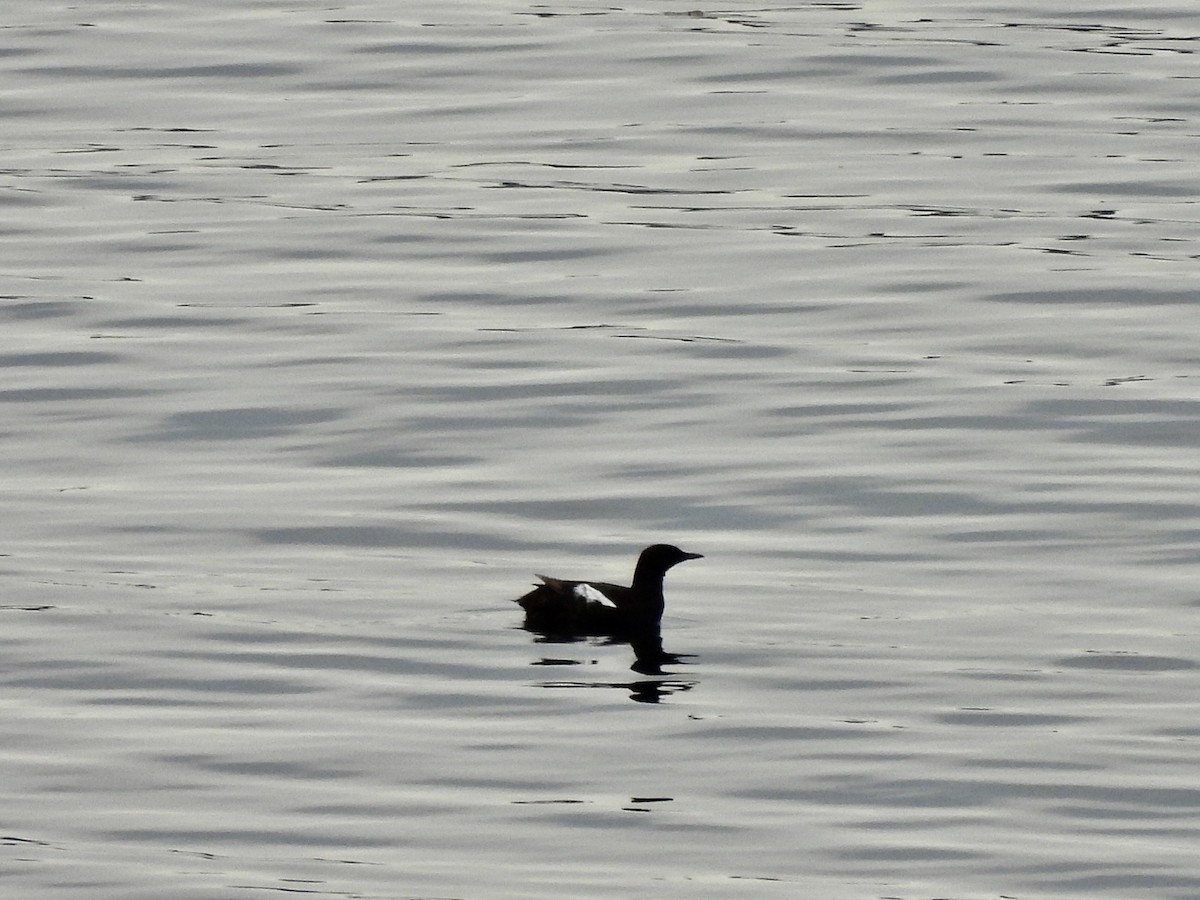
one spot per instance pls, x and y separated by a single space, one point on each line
323 328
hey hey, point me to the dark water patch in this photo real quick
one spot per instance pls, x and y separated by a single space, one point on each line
855 61
538 390
1032 765
719 348
395 238
793 734
93 73
544 255
1182 731
1122 880
1115 411
994 719
911 853
1133 297
442 48
609 188
723 347
995 675
1147 433
58 395
953 793
529 782
312 837
1160 800
394 459
93 669
50 360
493 419
25 198
1096 813
378 810
171 323
1126 662
802 69
485 300
1147 511
1116 407
144 184
257 768
939 76
239 423
868 410
1042 537
1107 189
141 701
927 287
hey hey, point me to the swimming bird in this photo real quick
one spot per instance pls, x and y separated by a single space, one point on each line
634 613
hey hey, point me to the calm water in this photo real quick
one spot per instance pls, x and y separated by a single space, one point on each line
322 328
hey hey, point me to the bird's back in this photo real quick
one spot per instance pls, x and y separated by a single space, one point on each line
576 607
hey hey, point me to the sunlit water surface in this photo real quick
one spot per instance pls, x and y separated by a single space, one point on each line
323 327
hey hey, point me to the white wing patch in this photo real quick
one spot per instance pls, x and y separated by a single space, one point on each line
591 595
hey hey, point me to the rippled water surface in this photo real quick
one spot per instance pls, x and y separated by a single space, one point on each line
323 327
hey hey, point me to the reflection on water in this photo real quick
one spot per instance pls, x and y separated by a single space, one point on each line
639 691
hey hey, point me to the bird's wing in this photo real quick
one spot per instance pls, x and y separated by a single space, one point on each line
585 591
555 584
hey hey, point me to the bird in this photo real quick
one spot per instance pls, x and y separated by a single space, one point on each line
634 613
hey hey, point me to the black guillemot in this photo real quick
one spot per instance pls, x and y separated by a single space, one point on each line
634 613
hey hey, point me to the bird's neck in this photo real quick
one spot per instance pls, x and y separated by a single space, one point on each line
648 581
648 586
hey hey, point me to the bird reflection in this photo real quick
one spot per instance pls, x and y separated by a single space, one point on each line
645 691
654 691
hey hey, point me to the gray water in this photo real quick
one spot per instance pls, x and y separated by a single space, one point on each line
323 328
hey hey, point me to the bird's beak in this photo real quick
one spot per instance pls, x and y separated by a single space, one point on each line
693 556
